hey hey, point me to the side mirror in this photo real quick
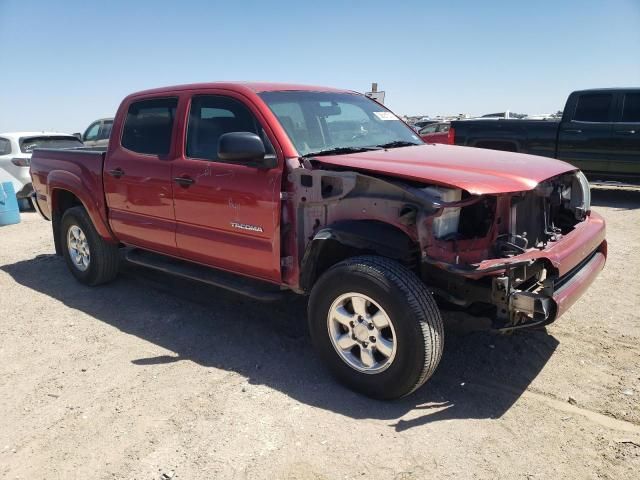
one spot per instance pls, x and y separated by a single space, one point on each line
246 148
78 135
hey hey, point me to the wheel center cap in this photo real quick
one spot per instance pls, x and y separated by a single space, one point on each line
361 332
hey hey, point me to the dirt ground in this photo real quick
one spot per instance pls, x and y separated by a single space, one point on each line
153 378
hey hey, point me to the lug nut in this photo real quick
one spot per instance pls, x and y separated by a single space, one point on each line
373 339
352 323
365 344
371 326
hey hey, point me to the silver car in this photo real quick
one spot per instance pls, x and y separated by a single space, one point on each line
98 133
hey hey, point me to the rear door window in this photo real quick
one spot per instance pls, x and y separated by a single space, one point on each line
149 125
594 107
631 108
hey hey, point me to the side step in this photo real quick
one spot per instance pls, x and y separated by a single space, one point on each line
256 289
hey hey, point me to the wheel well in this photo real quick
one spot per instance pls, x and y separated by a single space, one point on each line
343 240
62 200
497 145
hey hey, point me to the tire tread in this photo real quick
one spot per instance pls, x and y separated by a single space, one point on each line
419 299
105 256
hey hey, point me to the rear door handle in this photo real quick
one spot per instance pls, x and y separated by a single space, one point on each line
573 130
116 172
626 132
184 181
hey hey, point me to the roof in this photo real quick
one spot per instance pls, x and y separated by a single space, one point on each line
16 135
255 87
609 89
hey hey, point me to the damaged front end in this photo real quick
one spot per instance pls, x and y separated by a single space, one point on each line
518 258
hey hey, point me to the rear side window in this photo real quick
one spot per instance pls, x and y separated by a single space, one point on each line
429 129
210 117
631 108
148 126
5 146
594 107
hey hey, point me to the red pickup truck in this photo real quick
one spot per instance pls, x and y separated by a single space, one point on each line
265 189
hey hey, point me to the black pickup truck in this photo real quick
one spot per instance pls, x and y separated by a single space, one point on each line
599 133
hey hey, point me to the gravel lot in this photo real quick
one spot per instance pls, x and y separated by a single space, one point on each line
153 378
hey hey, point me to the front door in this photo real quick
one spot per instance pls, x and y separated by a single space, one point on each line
227 215
137 176
90 136
585 141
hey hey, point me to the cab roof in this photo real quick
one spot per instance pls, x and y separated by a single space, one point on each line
253 87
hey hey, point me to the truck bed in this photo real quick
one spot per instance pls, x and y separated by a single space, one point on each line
535 137
80 168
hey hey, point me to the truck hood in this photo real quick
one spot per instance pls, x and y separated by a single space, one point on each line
478 171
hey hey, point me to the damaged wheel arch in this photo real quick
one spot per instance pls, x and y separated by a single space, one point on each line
344 239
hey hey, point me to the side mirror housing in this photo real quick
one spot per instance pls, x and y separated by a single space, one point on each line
244 148
78 135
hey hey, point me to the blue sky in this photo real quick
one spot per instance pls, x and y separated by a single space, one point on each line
69 62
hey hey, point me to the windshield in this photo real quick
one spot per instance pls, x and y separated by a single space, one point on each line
318 122
27 144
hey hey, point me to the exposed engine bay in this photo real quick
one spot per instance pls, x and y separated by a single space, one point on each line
454 234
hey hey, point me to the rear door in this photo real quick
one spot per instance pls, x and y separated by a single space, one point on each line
229 215
626 136
137 176
586 139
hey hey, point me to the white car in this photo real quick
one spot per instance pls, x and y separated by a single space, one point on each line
15 157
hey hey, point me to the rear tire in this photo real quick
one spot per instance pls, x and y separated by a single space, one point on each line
90 258
383 362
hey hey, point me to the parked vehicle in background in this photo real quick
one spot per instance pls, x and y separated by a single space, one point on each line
98 133
420 124
508 115
436 133
599 133
15 157
263 188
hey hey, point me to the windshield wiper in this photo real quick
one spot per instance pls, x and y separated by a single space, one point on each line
397 144
340 150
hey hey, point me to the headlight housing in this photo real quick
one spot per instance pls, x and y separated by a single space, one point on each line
580 196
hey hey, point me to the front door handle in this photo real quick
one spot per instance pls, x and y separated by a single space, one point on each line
626 132
573 130
184 181
116 172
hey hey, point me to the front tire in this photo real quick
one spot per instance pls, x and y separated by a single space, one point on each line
376 326
89 257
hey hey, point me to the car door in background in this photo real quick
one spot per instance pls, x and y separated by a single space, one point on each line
585 140
626 136
105 133
90 136
227 214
